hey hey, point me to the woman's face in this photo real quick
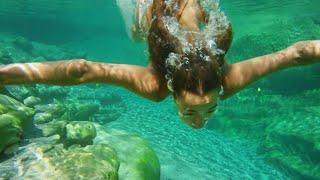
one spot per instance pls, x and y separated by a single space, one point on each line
195 110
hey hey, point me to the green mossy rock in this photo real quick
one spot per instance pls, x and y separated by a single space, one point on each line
44 160
14 117
10 131
138 160
81 133
20 92
41 118
54 127
114 154
101 105
14 105
31 101
82 111
55 109
3 109
72 133
48 93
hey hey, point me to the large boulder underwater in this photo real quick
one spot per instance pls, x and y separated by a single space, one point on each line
14 118
66 149
45 158
137 159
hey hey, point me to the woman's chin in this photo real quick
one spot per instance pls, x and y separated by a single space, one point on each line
196 125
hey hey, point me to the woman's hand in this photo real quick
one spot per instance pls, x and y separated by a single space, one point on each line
306 52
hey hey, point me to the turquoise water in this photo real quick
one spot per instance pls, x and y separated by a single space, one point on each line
270 133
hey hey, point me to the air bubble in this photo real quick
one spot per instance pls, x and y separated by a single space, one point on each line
207 58
211 44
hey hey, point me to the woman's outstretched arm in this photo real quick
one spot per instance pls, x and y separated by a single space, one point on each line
141 80
241 74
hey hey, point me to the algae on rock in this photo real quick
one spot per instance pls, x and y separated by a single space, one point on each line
14 117
137 159
81 133
43 159
114 154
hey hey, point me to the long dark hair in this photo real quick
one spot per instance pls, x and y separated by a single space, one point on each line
198 70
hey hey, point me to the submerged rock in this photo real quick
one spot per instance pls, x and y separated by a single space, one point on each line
55 109
14 117
54 127
137 159
71 133
81 133
82 111
101 105
43 159
31 101
41 118
10 131
114 154
14 105
19 92
48 93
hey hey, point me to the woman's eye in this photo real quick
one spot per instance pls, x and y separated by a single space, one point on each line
188 114
211 111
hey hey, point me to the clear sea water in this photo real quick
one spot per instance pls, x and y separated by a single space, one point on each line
98 28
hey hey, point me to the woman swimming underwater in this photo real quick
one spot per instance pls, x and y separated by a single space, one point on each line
188 40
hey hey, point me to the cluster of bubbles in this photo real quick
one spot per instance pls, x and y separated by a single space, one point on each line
206 38
176 61
143 5
216 26
139 16
172 3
